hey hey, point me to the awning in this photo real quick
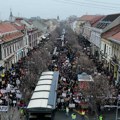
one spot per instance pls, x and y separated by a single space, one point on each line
84 77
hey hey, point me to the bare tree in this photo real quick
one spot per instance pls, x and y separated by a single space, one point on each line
101 89
38 63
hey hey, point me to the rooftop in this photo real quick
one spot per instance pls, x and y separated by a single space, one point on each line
19 26
11 36
87 17
116 36
93 19
107 20
96 20
111 32
6 27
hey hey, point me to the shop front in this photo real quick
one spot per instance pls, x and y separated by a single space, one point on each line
105 63
1 69
114 70
118 75
8 62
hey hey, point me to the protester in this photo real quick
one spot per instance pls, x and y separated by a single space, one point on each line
67 111
83 114
100 117
73 116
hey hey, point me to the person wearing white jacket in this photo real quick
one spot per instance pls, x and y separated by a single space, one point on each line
67 111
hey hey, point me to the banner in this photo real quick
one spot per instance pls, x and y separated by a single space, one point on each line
71 105
63 94
3 108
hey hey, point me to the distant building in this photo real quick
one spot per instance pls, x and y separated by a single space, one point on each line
35 18
58 18
11 17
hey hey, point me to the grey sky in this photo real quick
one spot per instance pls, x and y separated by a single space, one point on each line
53 8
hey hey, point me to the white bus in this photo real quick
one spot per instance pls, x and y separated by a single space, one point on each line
43 101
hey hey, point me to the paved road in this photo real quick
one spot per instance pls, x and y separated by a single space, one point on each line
60 115
108 115
12 114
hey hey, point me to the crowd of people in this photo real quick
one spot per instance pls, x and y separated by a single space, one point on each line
10 82
69 95
11 89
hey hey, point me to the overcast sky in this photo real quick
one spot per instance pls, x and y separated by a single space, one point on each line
54 8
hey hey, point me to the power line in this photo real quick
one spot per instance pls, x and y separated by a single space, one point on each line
86 4
98 3
117 4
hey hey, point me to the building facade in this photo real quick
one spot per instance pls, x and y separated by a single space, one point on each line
12 42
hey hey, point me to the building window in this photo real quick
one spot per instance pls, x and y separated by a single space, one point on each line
109 50
18 45
10 50
0 53
7 50
29 39
4 52
26 41
105 49
13 47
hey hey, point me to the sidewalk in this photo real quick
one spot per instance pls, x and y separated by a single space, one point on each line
12 114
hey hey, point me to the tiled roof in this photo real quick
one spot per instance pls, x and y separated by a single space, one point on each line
87 17
93 19
116 36
107 20
40 25
111 17
12 36
6 27
111 32
18 18
18 26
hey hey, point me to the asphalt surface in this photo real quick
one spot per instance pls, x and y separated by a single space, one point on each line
12 114
107 115
60 115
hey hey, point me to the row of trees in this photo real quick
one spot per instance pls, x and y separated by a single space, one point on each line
103 92
36 63
41 58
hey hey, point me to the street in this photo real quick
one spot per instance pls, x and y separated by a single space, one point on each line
60 115
67 60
